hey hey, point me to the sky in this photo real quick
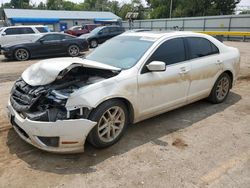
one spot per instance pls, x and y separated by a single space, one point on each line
242 3
75 1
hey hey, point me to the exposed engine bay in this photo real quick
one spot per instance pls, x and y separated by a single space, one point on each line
47 102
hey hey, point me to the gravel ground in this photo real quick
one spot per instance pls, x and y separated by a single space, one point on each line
199 145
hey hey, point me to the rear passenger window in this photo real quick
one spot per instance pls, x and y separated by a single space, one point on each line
19 31
42 29
113 29
27 30
105 31
13 31
68 37
53 37
200 47
170 52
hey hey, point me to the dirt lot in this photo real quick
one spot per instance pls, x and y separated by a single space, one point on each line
200 145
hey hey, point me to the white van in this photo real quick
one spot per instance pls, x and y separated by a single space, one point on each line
21 34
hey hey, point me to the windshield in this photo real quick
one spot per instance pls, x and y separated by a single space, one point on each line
122 51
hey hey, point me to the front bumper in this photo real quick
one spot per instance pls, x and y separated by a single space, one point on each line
72 133
7 54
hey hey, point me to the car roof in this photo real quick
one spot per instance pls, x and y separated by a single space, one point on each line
162 34
107 26
51 33
16 26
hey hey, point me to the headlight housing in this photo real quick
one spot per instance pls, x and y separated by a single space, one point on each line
58 97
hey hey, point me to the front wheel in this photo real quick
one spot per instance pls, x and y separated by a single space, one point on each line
73 50
21 54
93 43
112 119
221 89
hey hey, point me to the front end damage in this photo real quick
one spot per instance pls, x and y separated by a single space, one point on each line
39 114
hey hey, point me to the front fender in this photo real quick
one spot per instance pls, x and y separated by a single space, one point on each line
126 89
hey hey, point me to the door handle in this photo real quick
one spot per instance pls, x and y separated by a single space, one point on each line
183 70
219 62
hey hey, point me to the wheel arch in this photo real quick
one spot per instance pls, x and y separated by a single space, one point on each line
230 74
22 47
127 103
89 40
74 43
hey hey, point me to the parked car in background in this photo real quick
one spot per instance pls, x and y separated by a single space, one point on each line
129 78
101 34
50 44
21 34
79 30
138 30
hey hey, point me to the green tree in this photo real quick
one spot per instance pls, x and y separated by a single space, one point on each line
20 4
41 6
225 7
184 8
245 12
68 5
54 4
125 8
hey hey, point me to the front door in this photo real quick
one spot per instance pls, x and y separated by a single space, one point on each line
103 35
49 45
159 91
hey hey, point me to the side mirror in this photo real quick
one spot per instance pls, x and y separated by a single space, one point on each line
155 66
3 34
41 41
100 32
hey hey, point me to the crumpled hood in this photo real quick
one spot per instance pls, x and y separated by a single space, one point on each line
46 71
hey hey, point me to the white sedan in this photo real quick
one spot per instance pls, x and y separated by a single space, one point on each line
60 103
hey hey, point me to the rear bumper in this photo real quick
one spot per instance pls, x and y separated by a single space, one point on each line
71 133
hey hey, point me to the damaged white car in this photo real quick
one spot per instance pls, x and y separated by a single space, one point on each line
60 103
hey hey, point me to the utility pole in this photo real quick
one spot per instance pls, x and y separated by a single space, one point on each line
170 12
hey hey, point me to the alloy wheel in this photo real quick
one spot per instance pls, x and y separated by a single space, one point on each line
93 43
222 88
21 54
111 124
73 50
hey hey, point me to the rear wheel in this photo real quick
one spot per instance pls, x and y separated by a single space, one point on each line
93 43
73 50
21 54
221 89
112 119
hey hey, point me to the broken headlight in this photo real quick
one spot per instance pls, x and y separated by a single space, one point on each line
58 97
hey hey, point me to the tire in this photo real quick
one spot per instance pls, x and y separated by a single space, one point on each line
107 132
73 50
21 54
93 43
220 89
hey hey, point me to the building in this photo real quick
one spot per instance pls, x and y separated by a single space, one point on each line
58 20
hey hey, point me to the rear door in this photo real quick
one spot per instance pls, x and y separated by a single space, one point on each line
114 31
205 61
28 34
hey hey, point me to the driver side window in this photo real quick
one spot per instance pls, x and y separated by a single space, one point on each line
52 38
105 31
172 51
